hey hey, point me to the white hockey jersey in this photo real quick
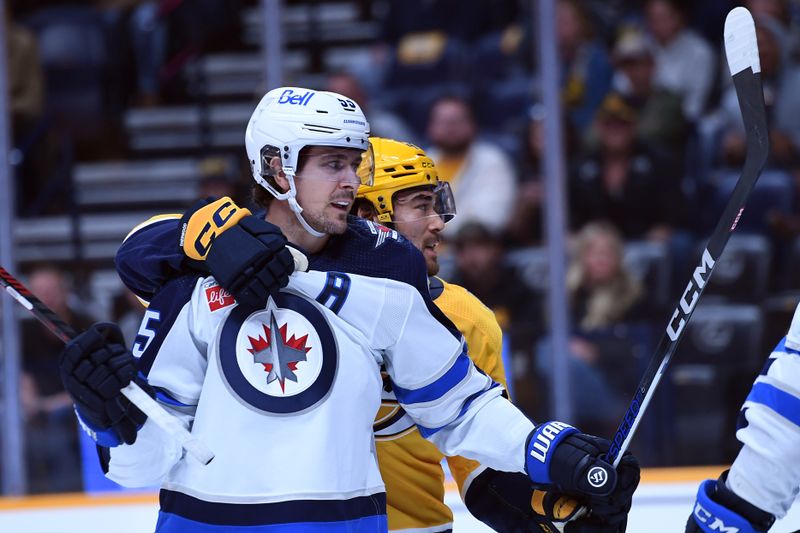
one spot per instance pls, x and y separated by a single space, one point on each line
766 472
286 396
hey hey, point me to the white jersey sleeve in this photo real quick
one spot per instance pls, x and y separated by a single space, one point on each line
455 405
176 362
766 472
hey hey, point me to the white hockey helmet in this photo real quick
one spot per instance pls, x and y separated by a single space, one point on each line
288 119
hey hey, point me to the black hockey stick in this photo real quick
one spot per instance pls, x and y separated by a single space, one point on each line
132 391
742 52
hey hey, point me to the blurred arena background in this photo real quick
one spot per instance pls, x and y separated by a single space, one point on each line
121 109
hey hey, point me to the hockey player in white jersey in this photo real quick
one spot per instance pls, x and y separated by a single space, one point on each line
764 479
272 410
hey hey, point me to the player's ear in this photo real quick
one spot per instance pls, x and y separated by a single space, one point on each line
366 210
276 169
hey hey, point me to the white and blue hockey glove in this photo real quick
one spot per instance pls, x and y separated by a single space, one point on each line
717 508
562 458
94 367
247 255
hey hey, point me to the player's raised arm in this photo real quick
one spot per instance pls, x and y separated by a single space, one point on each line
247 254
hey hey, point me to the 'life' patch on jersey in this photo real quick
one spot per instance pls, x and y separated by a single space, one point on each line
282 359
218 298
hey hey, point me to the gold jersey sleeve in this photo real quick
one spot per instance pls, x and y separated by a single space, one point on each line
411 466
485 343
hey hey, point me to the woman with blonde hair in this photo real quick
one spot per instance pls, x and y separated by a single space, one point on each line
605 301
602 291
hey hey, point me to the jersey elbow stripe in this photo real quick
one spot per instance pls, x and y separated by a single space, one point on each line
166 398
436 389
781 348
427 432
781 402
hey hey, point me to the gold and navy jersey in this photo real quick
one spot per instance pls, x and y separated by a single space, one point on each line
411 467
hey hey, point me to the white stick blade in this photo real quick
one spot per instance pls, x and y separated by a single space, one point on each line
167 422
741 46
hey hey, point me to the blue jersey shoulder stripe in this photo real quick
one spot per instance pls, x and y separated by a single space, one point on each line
438 388
168 302
427 432
781 402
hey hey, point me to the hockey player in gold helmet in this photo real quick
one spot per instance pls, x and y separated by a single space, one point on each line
407 196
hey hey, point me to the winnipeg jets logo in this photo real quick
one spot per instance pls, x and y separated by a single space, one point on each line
281 359
278 354
381 233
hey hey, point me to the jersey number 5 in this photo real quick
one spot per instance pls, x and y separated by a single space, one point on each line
146 333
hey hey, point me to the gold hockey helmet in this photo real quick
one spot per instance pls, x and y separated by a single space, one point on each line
400 166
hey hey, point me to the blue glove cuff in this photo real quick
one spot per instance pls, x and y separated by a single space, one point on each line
543 440
712 517
105 437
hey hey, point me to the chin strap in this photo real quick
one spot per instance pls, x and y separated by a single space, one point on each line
297 210
289 196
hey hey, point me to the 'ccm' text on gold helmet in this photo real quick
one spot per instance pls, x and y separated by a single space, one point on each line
400 166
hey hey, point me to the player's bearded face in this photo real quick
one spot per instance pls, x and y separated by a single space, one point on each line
416 219
326 187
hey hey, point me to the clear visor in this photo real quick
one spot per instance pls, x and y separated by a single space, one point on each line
445 202
329 163
366 169
436 202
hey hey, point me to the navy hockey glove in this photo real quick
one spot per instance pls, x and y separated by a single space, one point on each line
507 502
94 367
560 457
247 255
718 509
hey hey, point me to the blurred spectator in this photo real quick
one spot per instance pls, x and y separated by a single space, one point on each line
684 61
781 82
26 102
481 270
26 79
481 175
217 180
51 430
603 297
625 182
426 42
466 20
585 67
660 119
602 293
774 9
148 35
525 226
382 123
